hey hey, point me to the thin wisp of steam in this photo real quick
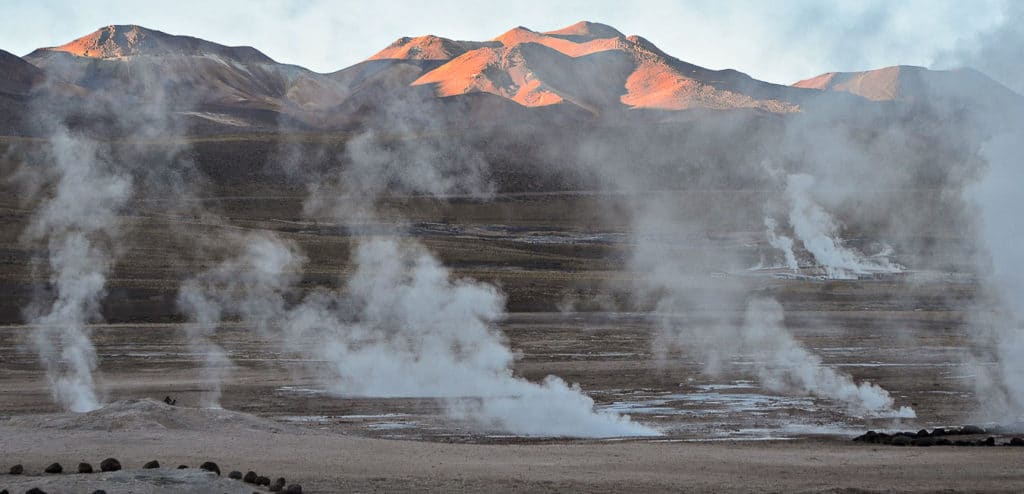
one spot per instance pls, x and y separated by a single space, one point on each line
781 242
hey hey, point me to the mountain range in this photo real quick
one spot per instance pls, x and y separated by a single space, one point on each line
586 72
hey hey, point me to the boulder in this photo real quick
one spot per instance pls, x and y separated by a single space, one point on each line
278 485
923 433
943 442
54 468
235 474
971 429
923 442
900 441
151 465
210 466
250 477
84 468
1017 441
35 490
989 441
961 442
293 489
182 467
99 491
110 465
261 480
938 431
17 470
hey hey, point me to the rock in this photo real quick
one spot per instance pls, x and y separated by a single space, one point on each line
250 477
110 465
923 433
35 490
923 442
989 441
210 466
961 442
900 441
943 442
100 491
84 468
279 483
17 470
293 489
261 480
938 431
182 467
54 468
235 474
151 465
1017 441
971 429
867 437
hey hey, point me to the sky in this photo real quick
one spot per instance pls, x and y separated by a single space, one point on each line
779 41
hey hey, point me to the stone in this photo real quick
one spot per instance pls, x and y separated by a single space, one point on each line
110 465
923 442
235 474
971 429
250 477
35 490
84 468
989 441
261 480
17 470
938 431
54 468
1016 441
210 466
900 441
151 465
182 467
293 489
943 442
100 491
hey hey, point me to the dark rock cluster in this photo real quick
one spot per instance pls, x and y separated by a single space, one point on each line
938 436
279 485
112 465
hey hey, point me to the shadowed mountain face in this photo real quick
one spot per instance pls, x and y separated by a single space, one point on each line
587 72
913 84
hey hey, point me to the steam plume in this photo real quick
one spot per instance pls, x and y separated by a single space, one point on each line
403 327
818 232
79 224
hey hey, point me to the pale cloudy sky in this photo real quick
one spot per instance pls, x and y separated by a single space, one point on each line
778 41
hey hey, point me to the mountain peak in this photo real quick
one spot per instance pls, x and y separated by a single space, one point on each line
428 47
588 30
129 40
